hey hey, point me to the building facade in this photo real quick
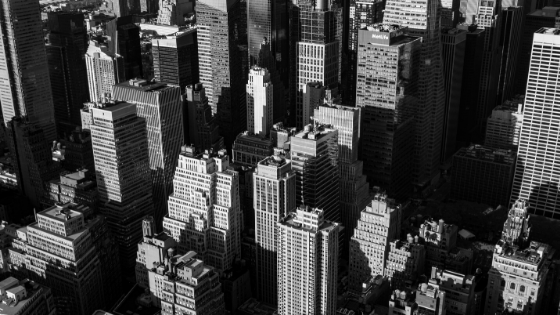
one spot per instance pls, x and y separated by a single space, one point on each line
104 70
120 150
200 125
503 128
307 243
405 261
160 105
260 102
274 196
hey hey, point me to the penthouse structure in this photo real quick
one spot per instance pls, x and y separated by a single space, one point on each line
307 243
204 209
519 270
439 239
274 197
120 151
185 285
483 175
314 153
26 297
405 261
61 237
390 143
202 128
379 224
160 105
104 70
503 128
353 183
536 173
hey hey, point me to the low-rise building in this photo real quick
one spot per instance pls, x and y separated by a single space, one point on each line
77 187
405 261
25 298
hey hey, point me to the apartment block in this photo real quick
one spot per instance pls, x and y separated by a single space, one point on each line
405 261
439 238
78 187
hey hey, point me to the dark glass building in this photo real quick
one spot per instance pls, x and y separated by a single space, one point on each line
124 39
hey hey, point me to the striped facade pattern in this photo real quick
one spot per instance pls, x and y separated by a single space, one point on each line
161 106
103 71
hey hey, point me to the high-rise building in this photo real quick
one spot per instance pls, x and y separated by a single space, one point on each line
535 20
172 12
314 155
453 43
353 183
361 14
24 73
387 147
260 102
274 196
509 289
154 249
160 105
510 43
67 67
438 238
379 224
307 243
200 125
267 60
78 187
482 174
175 55
204 209
104 70
474 51
186 285
60 253
26 298
503 128
249 149
405 260
32 160
124 40
120 150
220 63
422 19
77 149
536 173
318 53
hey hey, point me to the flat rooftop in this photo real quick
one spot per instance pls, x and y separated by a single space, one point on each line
143 85
9 307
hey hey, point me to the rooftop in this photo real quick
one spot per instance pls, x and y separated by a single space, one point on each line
274 160
143 85
9 306
532 255
480 152
548 31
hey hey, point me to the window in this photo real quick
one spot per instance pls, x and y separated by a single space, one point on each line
512 286
522 289
503 283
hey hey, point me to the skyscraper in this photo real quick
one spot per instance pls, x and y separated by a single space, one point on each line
124 40
61 236
200 126
103 71
120 151
175 57
314 153
510 43
25 88
260 102
507 288
274 196
67 68
362 13
388 60
160 105
536 174
172 12
317 51
32 159
353 185
267 60
307 243
268 19
453 43
422 19
204 209
220 63
379 224
503 128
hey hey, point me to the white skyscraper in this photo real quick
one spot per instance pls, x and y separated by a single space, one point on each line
103 71
274 196
537 172
259 102
307 263
204 209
